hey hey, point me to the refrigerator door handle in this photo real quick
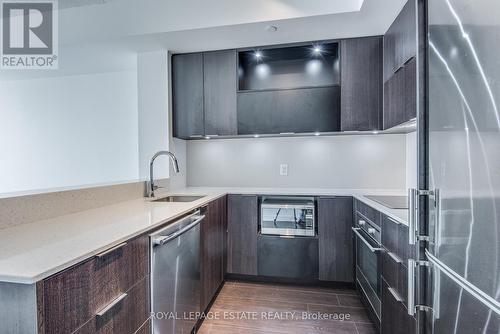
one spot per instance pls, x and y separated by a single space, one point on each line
411 287
412 214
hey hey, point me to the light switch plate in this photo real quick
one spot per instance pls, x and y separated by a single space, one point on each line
284 169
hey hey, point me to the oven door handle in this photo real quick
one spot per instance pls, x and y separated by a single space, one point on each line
360 236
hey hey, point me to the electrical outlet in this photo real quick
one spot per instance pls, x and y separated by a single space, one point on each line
284 169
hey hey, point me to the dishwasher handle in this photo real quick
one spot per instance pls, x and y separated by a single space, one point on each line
161 240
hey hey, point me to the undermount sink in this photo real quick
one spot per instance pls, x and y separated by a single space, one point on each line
178 198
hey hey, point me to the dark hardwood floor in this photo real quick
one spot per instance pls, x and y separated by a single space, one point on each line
257 308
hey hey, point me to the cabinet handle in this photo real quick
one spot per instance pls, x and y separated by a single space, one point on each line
195 136
396 258
393 220
109 251
408 60
107 308
395 295
360 236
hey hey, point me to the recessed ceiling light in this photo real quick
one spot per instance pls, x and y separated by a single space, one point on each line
271 28
257 54
317 49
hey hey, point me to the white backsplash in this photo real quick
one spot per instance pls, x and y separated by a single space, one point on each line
350 161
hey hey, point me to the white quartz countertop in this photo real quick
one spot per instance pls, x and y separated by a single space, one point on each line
34 251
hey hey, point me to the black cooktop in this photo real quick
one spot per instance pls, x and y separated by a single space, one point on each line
392 202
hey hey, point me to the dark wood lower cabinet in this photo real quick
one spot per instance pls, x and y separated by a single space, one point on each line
242 229
212 250
125 317
145 328
335 220
395 318
72 297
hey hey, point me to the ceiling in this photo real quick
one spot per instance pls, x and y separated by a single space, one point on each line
106 35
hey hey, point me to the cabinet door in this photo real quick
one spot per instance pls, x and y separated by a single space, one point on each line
410 89
219 69
335 215
242 226
212 251
404 32
407 41
361 84
187 95
394 100
389 53
315 109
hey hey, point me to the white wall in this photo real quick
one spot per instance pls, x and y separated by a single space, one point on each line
152 90
356 161
68 131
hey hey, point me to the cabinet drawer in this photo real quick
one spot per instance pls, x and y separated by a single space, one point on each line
69 299
395 318
368 212
405 250
395 274
125 316
390 234
145 328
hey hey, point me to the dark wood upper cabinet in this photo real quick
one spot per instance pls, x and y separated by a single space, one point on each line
187 95
410 89
400 40
212 250
361 84
400 71
242 229
220 82
335 220
292 110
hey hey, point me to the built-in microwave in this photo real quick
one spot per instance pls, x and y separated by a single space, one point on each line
287 216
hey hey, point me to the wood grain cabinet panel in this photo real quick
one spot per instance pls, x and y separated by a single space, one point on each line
361 88
69 299
395 318
242 229
212 251
410 89
219 86
125 317
187 95
367 212
335 239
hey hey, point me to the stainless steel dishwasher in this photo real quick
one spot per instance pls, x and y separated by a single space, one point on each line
175 275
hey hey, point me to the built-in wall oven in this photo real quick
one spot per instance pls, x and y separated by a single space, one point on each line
368 260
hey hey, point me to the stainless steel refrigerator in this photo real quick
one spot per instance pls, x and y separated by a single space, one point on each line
454 284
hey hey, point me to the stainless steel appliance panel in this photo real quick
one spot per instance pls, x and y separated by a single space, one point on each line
288 216
368 262
464 165
175 277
